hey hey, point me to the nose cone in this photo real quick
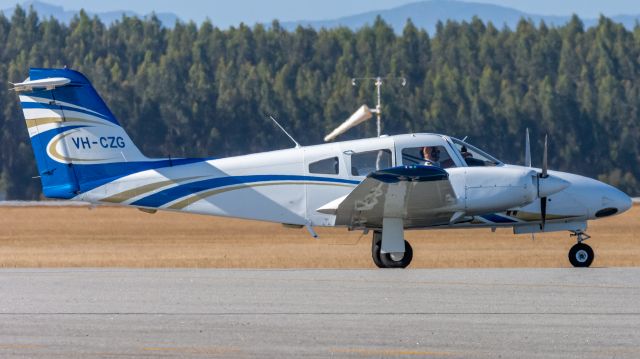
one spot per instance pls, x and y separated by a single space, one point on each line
613 201
607 200
550 185
598 199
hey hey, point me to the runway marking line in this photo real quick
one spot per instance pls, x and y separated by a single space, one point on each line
367 280
20 346
452 283
188 350
388 352
445 283
226 314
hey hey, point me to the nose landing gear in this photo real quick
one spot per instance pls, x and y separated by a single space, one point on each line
581 255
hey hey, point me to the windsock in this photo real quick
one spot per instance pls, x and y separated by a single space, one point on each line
357 118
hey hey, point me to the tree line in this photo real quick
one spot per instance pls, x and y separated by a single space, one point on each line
198 90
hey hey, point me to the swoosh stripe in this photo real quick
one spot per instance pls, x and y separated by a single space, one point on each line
134 192
203 195
58 107
47 101
536 217
46 120
163 197
497 219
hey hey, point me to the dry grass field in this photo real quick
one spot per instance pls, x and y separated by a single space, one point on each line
124 237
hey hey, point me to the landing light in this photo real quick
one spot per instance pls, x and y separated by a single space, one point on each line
605 212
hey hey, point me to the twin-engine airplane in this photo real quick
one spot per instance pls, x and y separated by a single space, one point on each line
387 184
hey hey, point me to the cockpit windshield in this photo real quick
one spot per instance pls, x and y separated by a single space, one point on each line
473 156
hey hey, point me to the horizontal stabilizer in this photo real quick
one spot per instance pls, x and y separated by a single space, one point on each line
331 207
48 84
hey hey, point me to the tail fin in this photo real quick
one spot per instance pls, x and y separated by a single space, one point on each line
77 141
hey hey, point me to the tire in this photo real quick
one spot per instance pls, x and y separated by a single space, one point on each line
388 262
376 244
581 255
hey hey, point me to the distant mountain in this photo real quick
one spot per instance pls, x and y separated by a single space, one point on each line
426 14
46 10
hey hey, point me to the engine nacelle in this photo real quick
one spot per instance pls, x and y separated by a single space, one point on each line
495 189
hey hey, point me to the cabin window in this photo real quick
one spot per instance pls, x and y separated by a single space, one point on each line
328 166
428 156
364 163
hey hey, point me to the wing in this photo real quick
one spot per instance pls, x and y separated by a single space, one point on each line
420 195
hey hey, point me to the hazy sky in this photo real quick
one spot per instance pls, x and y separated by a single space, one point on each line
231 12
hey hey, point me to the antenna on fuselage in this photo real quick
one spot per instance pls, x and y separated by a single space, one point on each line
285 131
364 112
527 150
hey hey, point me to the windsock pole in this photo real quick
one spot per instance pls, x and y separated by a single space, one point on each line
379 106
364 113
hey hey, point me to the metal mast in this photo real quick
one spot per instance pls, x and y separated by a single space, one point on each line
378 84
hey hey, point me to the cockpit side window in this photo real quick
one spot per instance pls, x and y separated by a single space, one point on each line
328 166
428 156
363 163
473 156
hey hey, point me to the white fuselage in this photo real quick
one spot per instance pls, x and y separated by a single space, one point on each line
288 186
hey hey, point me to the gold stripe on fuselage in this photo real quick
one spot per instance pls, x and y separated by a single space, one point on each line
537 217
134 192
203 195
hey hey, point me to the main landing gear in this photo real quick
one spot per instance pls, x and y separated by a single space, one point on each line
581 255
389 260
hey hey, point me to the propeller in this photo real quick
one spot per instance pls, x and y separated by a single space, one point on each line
546 184
527 151
542 176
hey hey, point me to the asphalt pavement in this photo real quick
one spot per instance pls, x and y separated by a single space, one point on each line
449 313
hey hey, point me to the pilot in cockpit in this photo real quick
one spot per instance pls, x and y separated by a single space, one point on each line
465 152
431 156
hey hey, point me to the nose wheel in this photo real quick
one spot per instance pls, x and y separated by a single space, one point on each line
581 255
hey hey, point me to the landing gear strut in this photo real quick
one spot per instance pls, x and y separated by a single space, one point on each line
389 260
581 255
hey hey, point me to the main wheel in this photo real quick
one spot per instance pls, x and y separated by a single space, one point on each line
389 261
581 255
376 244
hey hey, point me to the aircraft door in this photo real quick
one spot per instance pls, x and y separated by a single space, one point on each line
325 169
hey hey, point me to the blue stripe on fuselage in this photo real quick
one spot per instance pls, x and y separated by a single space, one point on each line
497 219
174 193
92 176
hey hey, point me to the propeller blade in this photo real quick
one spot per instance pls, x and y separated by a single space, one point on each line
543 212
546 186
527 150
544 159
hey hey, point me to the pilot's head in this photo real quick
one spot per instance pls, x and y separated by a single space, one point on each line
431 153
465 152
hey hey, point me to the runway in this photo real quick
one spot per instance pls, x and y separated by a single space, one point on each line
460 313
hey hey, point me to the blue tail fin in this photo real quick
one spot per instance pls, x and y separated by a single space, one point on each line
77 141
